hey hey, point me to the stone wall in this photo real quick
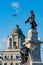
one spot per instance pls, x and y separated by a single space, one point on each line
39 63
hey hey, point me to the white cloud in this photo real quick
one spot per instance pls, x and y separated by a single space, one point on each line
2 44
2 40
15 5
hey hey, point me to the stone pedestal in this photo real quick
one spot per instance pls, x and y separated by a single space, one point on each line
34 44
33 35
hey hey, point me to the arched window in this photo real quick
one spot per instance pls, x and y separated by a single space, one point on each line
10 43
17 64
11 63
5 63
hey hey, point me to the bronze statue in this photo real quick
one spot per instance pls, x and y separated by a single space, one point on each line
31 19
24 54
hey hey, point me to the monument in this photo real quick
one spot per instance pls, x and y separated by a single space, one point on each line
31 54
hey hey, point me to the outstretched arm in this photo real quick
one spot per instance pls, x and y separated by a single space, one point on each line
27 21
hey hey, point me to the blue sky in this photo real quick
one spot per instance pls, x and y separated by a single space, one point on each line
22 9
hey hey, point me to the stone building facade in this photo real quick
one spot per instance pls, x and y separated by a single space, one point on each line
11 56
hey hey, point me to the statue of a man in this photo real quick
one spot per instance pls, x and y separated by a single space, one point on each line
31 19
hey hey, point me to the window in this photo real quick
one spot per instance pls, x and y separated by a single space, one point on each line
0 63
5 63
11 57
11 63
14 43
16 64
5 57
10 43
